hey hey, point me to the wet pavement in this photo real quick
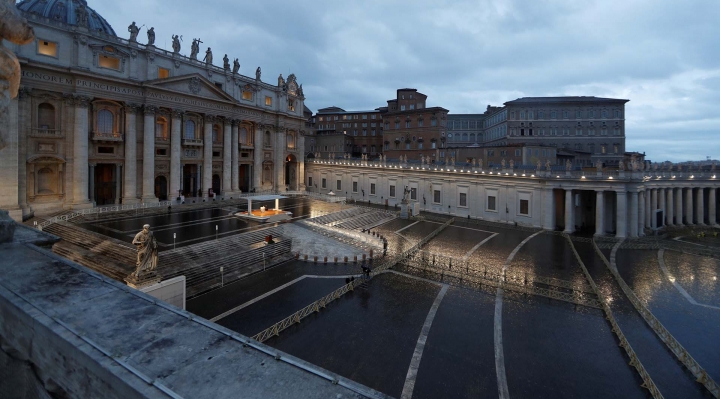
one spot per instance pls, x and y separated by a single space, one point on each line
698 275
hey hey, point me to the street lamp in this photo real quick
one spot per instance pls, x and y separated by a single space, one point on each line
222 276
174 236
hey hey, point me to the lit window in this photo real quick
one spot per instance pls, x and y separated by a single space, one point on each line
291 105
268 102
163 73
109 62
247 95
47 48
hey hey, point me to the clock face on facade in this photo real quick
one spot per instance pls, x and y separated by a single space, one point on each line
292 88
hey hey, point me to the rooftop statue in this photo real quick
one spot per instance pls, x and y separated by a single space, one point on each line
568 165
281 81
236 66
15 29
176 43
621 165
548 165
81 16
512 164
147 256
134 30
226 63
257 74
151 36
208 56
195 48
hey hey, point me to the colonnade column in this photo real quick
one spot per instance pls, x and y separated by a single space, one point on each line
80 152
634 214
207 156
258 158
549 202
175 148
227 158
679 206
118 182
689 206
148 187
569 208
641 214
670 209
130 178
235 172
700 206
661 203
279 161
92 182
621 231
653 208
599 213
712 209
648 206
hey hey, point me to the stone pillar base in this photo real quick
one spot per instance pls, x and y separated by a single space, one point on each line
150 200
132 200
82 205
145 280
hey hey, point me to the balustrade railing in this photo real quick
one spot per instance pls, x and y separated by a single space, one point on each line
40 132
100 210
107 136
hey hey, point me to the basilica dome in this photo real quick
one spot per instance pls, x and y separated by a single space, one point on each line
72 12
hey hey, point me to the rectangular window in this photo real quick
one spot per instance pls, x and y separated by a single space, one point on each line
355 186
413 193
433 122
372 188
463 199
338 185
310 181
216 154
109 62
616 148
604 114
412 106
364 117
324 182
392 191
106 150
407 124
402 108
161 151
517 153
47 48
491 206
291 105
617 131
163 73
524 207
397 125
247 95
268 101
565 115
219 85
436 196
617 113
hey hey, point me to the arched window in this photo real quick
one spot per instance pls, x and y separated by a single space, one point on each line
189 130
46 116
105 122
161 128
464 137
472 137
243 136
290 141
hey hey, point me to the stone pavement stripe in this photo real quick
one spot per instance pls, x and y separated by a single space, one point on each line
461 227
661 262
250 302
417 356
503 391
408 226
473 249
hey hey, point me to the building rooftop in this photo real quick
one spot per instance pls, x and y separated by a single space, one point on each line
563 99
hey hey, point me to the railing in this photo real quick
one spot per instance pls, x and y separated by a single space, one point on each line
680 352
316 306
325 197
100 210
634 360
192 142
107 136
40 132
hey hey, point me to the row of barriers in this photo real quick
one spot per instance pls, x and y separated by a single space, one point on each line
321 303
648 383
677 349
98 210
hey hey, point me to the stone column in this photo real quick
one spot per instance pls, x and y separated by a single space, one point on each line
634 207
301 163
599 213
712 208
279 152
700 206
234 168
653 208
207 156
80 154
118 182
130 179
641 214
661 202
689 206
24 119
648 206
669 208
549 208
175 150
227 159
621 217
679 206
258 157
569 212
148 186
91 179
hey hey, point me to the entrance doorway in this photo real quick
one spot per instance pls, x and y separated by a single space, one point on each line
161 188
216 184
244 176
105 184
291 172
190 180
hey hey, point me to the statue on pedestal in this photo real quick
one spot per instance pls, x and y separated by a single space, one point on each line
195 48
598 166
538 166
208 56
147 256
480 163
176 43
568 165
236 66
226 63
281 81
512 164
134 30
502 163
621 165
548 165
151 36
257 74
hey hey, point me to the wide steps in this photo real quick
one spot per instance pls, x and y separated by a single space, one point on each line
113 249
99 263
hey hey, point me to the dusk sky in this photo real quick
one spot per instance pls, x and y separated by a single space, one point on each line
661 55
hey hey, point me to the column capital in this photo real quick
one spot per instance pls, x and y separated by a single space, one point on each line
177 113
132 108
210 119
150 109
235 122
82 101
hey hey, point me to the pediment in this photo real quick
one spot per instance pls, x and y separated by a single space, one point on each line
193 84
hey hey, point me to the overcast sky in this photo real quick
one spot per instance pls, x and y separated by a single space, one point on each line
662 55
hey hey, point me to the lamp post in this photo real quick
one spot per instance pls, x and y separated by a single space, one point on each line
174 236
222 277
216 232
263 261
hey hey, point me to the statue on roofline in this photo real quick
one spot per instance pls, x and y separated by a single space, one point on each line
134 30
236 66
151 36
176 43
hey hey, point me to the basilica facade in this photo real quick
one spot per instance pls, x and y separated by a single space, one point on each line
104 120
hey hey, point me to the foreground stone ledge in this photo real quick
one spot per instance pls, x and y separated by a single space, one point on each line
86 335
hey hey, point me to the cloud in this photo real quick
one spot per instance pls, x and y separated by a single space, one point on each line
464 55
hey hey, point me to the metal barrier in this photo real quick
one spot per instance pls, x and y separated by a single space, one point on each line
100 210
648 383
314 307
680 352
